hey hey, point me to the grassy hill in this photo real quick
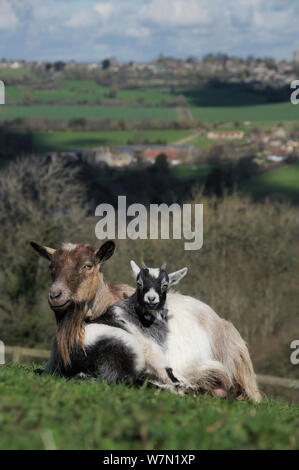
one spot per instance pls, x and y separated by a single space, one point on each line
282 182
96 416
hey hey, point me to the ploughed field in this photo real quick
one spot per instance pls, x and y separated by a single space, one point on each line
38 412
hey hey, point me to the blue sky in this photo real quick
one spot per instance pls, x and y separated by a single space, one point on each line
143 29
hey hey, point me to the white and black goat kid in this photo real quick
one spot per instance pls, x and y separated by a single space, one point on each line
144 315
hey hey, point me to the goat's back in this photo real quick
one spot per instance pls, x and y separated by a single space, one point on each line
121 291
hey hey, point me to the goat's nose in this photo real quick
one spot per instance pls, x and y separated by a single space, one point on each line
55 293
151 299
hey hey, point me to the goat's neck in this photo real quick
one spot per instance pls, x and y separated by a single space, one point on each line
101 301
147 313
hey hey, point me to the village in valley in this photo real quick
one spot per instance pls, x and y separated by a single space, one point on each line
198 114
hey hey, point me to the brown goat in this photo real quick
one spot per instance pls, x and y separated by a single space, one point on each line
78 292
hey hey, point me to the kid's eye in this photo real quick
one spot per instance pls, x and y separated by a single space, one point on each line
139 283
164 286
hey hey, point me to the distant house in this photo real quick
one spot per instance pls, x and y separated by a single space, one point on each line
226 135
173 155
113 159
280 133
296 57
275 158
292 146
12 65
260 138
114 66
93 66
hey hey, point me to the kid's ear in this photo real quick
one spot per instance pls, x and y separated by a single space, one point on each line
177 276
43 251
105 251
135 269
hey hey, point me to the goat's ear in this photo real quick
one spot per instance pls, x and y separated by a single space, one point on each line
105 251
177 276
135 269
43 251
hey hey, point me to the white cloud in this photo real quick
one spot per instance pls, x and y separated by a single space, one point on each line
177 12
99 13
137 32
81 19
105 10
8 19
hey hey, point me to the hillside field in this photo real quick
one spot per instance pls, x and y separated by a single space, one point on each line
283 182
263 112
41 411
85 91
67 112
62 141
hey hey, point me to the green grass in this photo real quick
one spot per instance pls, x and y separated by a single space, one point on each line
66 112
187 172
74 91
61 141
281 181
6 73
149 95
256 113
96 416
202 141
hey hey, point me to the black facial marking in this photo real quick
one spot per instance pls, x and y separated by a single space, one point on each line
145 282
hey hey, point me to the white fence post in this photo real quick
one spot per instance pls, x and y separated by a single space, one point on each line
2 92
2 353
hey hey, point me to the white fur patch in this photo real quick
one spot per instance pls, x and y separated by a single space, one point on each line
188 341
135 269
69 246
95 331
154 272
151 296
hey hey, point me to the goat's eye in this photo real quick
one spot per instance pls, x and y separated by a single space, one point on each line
139 283
164 286
87 267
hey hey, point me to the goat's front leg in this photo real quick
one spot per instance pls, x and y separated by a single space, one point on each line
51 366
156 364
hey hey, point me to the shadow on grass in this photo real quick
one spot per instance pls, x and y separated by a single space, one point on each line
216 93
281 184
41 145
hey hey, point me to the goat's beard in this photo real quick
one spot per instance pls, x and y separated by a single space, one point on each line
70 332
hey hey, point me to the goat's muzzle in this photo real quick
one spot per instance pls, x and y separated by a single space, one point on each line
59 298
